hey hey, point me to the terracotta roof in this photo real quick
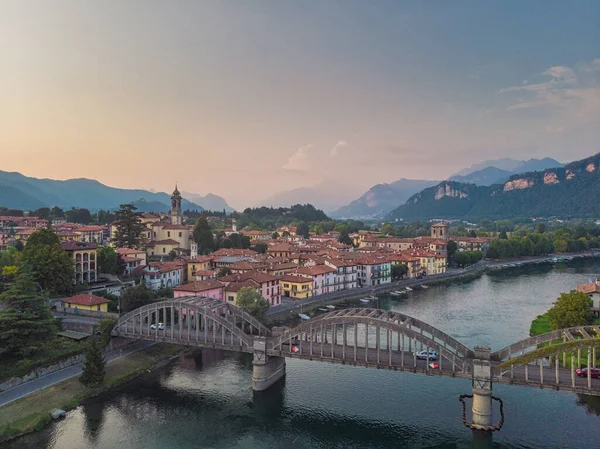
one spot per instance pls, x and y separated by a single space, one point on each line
86 300
166 242
123 251
91 228
200 259
295 278
235 287
171 226
233 252
165 266
127 259
316 270
205 273
589 288
200 286
74 246
280 247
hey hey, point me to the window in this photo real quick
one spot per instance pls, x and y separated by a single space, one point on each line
98 307
168 233
164 250
180 234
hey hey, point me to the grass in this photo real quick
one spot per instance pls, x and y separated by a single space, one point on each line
49 353
32 412
541 325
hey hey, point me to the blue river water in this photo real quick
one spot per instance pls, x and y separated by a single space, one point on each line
205 400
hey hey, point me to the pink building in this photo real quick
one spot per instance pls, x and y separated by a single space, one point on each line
323 276
209 288
269 286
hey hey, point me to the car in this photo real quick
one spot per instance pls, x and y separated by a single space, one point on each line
422 355
594 372
161 326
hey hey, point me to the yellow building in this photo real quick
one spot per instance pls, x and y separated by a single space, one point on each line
84 257
88 302
162 248
200 263
296 286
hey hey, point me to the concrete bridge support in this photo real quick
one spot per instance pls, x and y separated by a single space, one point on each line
266 370
482 388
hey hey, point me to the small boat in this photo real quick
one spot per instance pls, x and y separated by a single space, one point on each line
365 300
322 309
396 293
424 286
303 316
330 306
408 289
342 305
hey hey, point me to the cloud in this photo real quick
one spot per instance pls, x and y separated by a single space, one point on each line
339 144
574 92
299 160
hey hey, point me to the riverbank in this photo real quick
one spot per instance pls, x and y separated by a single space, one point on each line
32 412
290 308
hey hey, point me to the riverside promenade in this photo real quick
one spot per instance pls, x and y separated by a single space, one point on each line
291 305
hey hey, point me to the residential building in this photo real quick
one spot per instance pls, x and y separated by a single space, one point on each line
90 234
280 250
257 236
199 263
373 270
210 288
84 257
471 243
267 285
159 275
130 259
86 302
296 286
439 231
346 273
162 248
323 277
233 288
413 263
593 291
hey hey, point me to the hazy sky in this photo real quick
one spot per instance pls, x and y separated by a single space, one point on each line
245 98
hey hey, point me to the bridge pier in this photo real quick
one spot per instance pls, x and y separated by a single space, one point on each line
266 370
482 389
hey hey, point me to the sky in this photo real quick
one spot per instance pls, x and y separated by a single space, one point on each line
250 97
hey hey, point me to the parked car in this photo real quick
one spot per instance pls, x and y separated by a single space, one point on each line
594 372
161 326
422 355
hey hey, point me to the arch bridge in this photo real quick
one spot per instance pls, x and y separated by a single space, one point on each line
372 338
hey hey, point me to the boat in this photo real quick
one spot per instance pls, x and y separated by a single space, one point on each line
396 293
365 300
342 305
424 286
330 306
303 316
323 309
408 289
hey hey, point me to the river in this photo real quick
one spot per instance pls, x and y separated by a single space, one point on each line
205 400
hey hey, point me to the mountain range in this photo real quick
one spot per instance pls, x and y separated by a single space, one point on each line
22 192
500 170
572 190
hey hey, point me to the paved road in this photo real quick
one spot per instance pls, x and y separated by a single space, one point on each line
58 376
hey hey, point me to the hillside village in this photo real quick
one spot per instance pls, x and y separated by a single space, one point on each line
279 263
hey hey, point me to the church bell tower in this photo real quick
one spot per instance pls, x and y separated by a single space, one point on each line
176 207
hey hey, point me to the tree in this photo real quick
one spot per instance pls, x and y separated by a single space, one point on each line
225 271
203 236
107 260
260 247
302 229
540 228
503 236
57 212
172 255
42 212
560 245
19 246
472 233
94 368
275 235
344 238
134 297
569 310
388 229
26 321
130 230
49 264
451 247
106 326
252 302
399 270
9 272
462 258
82 216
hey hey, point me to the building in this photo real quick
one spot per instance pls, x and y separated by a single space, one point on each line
162 248
199 263
159 275
439 231
86 302
374 270
233 288
412 262
176 217
84 257
267 285
471 243
296 286
593 291
90 234
323 277
346 273
280 250
257 236
210 288
130 259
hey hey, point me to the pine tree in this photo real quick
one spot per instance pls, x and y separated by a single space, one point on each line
94 368
130 229
203 236
26 321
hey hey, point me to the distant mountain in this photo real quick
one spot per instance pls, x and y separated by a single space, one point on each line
326 196
484 177
32 193
380 199
208 202
493 174
569 191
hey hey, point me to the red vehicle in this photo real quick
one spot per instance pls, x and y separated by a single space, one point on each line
595 372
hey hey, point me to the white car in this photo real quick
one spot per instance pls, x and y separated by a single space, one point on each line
161 326
422 355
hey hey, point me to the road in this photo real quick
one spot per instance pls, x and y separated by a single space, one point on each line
58 376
